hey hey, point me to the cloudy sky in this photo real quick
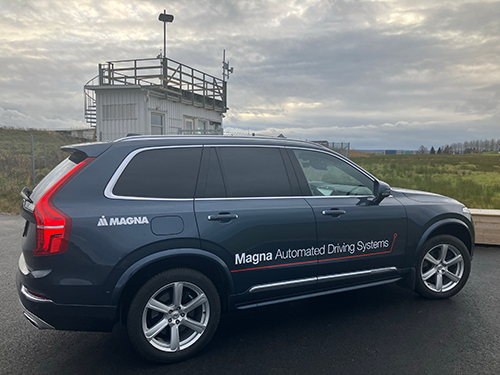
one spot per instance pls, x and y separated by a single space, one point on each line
378 74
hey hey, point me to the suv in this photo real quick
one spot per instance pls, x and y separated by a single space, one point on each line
163 233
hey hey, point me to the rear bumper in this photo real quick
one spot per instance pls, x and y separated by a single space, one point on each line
36 321
46 314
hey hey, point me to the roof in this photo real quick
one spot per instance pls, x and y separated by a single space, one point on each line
217 140
93 149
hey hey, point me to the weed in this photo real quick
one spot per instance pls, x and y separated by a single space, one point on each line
471 179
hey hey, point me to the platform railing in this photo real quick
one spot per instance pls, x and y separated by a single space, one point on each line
180 82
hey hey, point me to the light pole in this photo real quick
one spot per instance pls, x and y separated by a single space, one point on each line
164 17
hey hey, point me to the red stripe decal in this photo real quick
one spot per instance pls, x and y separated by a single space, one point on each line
321 260
276 265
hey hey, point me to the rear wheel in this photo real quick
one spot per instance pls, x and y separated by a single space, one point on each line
442 268
173 315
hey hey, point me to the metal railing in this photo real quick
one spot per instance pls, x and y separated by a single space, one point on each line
178 81
90 106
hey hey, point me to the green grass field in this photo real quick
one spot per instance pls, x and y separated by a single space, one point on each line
472 179
15 161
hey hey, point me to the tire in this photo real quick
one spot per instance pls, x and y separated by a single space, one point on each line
442 268
173 316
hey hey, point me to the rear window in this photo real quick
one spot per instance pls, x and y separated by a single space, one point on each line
55 175
160 173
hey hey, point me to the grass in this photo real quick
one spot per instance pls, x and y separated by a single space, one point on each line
16 164
472 179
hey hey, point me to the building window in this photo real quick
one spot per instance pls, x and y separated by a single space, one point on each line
119 111
157 127
188 123
202 125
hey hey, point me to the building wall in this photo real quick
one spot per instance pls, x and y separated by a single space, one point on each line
118 113
175 113
125 110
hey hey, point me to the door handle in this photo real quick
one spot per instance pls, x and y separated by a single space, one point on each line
335 212
223 217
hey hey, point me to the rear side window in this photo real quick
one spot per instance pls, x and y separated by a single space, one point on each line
254 172
160 173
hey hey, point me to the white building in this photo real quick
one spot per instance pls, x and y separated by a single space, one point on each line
153 96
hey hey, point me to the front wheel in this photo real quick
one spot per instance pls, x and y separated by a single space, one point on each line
173 315
442 267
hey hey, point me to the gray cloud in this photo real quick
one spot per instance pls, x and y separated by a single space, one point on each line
380 74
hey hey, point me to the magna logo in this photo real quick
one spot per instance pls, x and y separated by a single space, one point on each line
131 220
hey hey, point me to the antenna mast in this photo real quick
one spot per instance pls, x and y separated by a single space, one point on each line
226 70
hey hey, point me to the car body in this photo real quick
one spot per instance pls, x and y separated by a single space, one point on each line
163 233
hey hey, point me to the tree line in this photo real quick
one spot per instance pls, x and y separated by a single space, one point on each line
471 147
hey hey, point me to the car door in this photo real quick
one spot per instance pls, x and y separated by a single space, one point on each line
363 241
250 213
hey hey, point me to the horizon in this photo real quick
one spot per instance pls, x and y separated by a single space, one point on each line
371 73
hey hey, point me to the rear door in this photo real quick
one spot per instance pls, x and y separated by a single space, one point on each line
249 213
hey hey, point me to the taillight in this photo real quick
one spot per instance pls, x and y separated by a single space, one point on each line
53 225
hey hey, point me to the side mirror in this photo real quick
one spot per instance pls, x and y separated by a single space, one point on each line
382 190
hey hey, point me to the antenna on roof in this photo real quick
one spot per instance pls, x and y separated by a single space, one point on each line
226 70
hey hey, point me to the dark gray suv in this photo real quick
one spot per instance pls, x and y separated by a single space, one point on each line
164 233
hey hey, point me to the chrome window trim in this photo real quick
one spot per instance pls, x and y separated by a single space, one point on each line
285 197
108 191
313 280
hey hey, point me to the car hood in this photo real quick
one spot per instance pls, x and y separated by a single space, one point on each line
424 196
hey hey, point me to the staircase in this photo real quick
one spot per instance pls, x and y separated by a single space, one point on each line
90 104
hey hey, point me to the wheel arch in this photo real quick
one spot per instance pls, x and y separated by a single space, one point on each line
136 275
453 227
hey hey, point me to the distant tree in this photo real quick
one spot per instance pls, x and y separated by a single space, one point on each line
432 152
422 149
447 150
487 146
439 151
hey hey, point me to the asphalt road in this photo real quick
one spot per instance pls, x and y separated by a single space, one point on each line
382 330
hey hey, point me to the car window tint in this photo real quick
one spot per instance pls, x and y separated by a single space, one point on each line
254 172
161 173
214 187
330 176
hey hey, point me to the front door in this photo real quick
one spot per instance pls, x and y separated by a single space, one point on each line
362 241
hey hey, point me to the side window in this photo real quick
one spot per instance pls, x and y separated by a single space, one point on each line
327 175
211 183
254 172
161 173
